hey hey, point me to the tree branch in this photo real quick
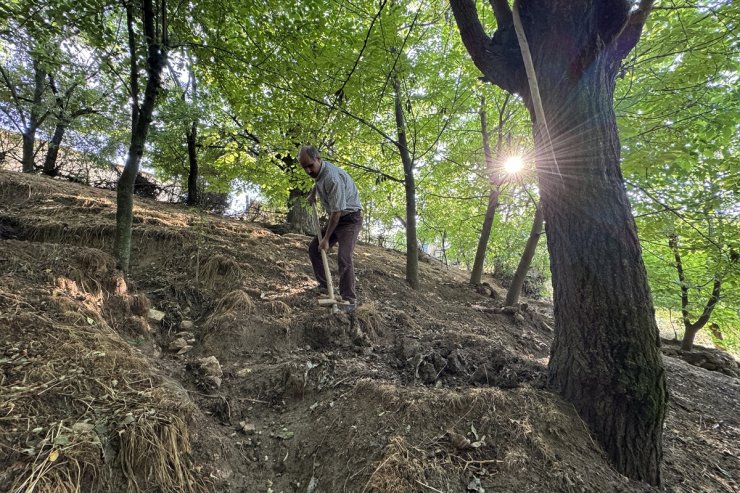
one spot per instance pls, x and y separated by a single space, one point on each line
498 59
502 12
630 35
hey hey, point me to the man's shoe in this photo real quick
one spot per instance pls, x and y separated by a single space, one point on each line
319 290
347 307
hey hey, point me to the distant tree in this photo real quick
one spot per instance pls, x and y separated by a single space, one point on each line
515 288
605 357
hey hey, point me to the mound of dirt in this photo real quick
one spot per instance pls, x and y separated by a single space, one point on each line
211 368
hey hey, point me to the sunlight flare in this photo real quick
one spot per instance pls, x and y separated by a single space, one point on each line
513 164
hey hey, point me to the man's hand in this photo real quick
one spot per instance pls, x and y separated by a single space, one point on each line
311 197
324 245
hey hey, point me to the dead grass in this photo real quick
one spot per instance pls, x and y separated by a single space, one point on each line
73 394
235 302
402 470
219 271
279 308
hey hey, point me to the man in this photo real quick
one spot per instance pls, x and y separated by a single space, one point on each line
341 200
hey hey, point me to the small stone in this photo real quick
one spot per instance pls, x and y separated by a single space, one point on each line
284 434
185 349
247 428
186 325
210 367
155 315
177 344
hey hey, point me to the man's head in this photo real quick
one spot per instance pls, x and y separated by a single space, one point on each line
310 160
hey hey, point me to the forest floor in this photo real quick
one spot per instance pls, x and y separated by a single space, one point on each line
212 368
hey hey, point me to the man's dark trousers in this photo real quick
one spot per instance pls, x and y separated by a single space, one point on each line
346 233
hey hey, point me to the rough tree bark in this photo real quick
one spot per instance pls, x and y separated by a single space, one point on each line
412 247
605 356
36 118
691 329
63 120
191 137
141 120
515 289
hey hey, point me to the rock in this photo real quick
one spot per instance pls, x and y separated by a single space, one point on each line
519 318
210 367
214 382
155 315
455 362
185 349
186 325
247 428
177 344
284 434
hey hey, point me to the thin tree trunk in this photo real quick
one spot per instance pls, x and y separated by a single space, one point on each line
133 65
191 136
515 289
691 329
493 194
125 189
192 140
412 247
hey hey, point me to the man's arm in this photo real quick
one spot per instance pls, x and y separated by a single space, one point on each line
333 221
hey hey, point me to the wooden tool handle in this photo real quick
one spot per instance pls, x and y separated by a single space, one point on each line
327 272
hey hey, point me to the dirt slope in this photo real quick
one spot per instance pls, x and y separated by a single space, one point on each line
246 385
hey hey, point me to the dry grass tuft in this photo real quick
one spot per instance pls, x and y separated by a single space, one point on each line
279 308
154 447
235 302
368 317
220 270
231 307
403 470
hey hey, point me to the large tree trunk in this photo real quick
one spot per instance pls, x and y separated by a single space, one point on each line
412 247
52 152
605 356
35 119
512 295
29 141
125 189
299 219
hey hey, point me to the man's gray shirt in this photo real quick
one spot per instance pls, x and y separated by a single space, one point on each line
337 190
